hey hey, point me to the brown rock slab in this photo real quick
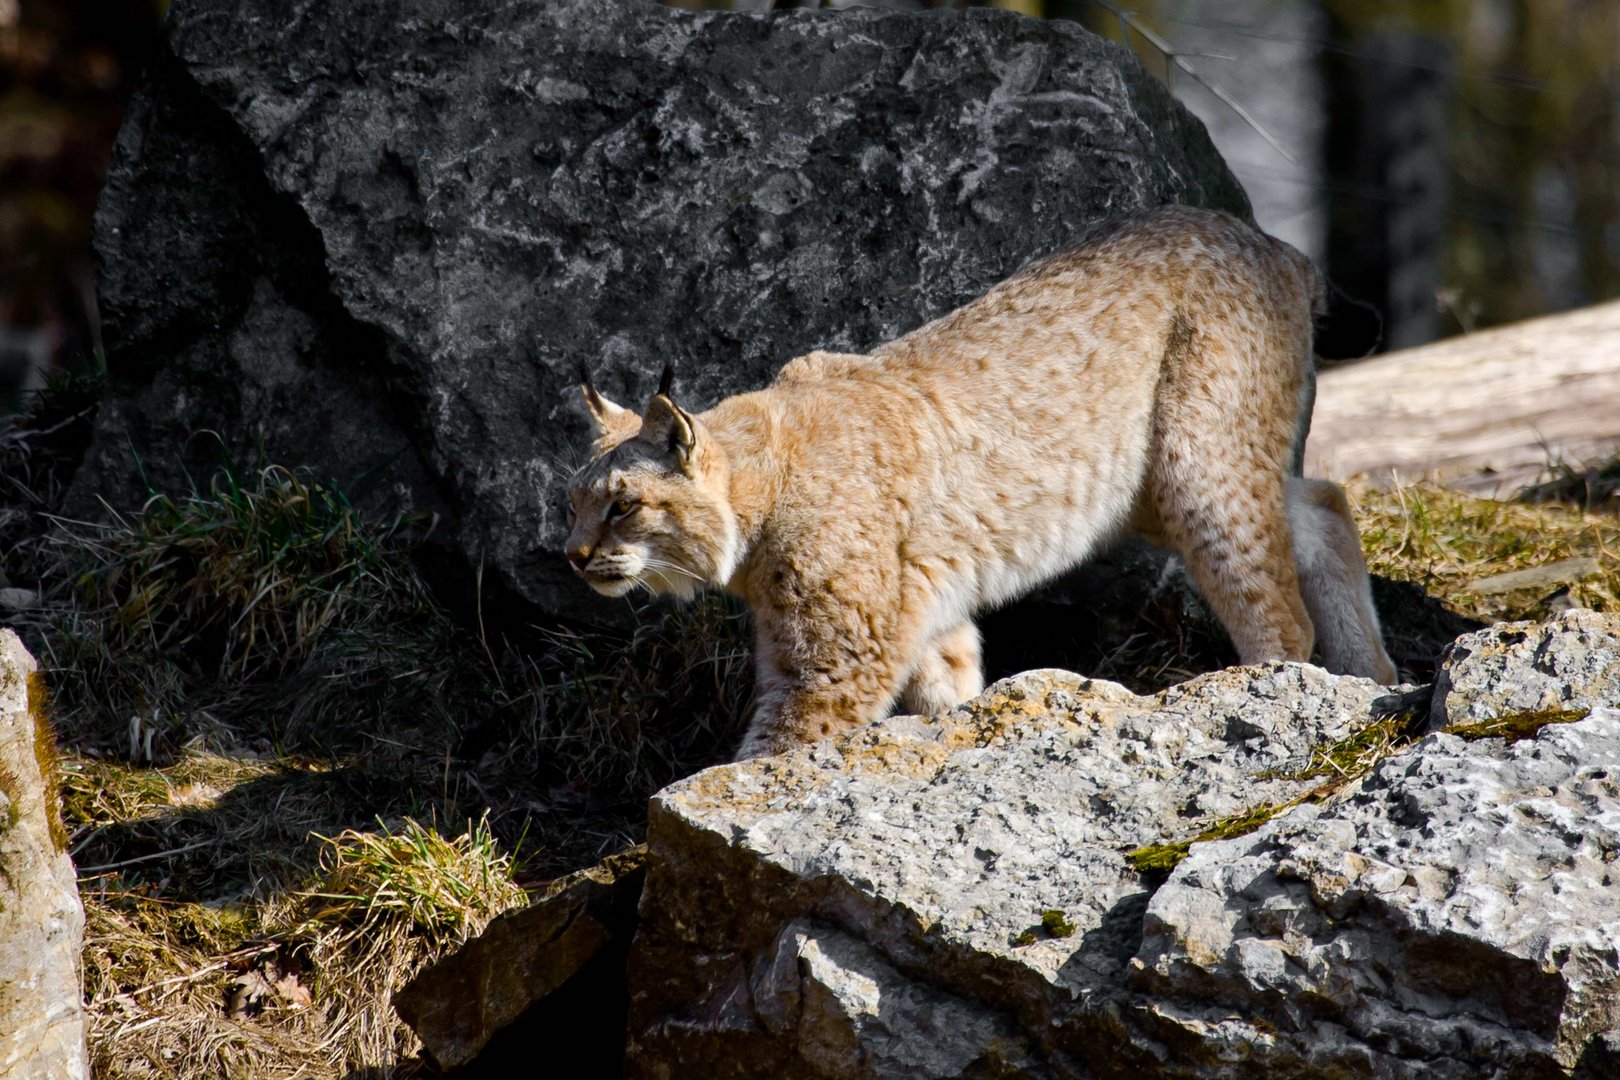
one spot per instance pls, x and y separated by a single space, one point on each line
525 972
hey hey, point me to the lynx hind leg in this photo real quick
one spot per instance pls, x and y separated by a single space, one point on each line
1237 548
1333 579
1218 487
950 672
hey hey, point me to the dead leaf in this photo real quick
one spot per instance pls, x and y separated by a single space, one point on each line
293 994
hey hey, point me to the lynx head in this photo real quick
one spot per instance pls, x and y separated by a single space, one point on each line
652 508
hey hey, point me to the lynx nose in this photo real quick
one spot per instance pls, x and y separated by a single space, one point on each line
579 557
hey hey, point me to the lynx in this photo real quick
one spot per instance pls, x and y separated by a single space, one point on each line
1155 380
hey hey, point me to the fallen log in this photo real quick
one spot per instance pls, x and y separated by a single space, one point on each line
1486 412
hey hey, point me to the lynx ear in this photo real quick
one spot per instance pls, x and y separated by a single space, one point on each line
667 426
612 423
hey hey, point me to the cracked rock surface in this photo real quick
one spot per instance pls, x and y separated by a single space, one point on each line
872 906
1456 915
375 239
1571 661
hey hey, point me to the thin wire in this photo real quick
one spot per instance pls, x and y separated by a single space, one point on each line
1521 82
1170 55
1127 20
1379 193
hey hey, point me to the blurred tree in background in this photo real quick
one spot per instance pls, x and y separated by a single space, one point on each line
1522 195
67 67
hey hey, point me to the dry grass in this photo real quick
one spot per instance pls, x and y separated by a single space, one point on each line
159 979
1595 486
38 450
298 986
1444 541
383 905
245 671
687 668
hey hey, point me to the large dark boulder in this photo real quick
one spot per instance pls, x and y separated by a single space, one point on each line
373 239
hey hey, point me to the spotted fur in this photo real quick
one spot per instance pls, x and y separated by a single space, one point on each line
1155 380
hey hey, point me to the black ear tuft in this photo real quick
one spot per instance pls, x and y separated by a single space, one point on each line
666 381
585 382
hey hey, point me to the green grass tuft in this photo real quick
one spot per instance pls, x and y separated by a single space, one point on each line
1056 923
446 888
245 578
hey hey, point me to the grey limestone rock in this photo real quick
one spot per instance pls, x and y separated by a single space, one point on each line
936 844
41 920
835 1000
374 239
1571 661
1455 915
1452 913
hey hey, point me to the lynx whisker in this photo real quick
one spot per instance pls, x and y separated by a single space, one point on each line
662 564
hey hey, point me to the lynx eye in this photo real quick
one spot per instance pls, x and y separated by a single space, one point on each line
622 508
569 512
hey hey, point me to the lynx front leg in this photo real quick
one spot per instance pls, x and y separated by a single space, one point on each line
817 676
949 673
791 711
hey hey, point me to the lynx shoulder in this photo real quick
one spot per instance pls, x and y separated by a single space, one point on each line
1155 380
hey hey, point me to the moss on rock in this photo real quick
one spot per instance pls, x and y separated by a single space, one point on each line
45 757
1519 725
